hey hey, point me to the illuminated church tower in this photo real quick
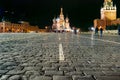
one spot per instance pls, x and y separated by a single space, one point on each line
108 12
61 23
61 17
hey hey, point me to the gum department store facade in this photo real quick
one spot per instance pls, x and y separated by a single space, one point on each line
108 15
24 27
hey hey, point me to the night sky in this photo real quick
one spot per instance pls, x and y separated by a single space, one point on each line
41 12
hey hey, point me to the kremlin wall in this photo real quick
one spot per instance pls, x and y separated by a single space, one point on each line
108 16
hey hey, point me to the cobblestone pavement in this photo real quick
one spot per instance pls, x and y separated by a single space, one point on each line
38 56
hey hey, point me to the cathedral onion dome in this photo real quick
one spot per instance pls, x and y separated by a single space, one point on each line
54 20
67 19
58 19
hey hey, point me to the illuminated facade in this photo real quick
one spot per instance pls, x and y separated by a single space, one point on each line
61 23
108 12
21 27
108 15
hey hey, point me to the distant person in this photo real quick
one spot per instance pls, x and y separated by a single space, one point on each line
119 30
96 31
75 30
101 31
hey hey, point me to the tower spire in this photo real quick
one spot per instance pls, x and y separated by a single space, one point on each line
61 11
61 14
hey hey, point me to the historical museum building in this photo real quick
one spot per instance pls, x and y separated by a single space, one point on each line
108 15
19 27
61 23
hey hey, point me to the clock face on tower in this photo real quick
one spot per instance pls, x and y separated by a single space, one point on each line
109 3
108 0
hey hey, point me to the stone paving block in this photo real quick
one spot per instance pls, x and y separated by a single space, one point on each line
3 71
51 73
73 73
4 77
15 72
10 64
92 65
44 64
76 65
93 73
31 68
32 73
107 77
55 77
111 73
50 68
3 67
26 64
66 69
53 60
15 77
1 62
101 69
77 77
42 78
116 69
63 64
107 65
83 69
40 64
24 78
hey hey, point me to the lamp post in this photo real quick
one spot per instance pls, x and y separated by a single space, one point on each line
3 24
3 20
6 14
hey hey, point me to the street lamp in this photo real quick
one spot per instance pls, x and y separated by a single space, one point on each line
3 23
5 14
3 20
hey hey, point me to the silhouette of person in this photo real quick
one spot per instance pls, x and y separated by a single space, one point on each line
101 31
96 30
119 30
75 30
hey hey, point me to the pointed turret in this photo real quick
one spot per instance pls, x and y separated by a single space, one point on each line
67 19
61 11
61 14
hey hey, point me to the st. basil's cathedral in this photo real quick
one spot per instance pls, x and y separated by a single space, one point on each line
60 23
